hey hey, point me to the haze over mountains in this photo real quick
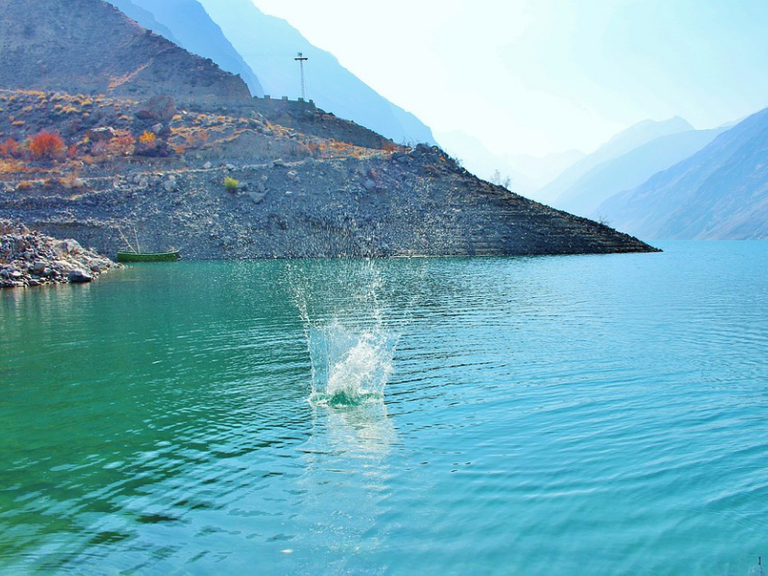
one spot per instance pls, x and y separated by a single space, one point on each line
630 170
527 174
270 44
721 192
624 142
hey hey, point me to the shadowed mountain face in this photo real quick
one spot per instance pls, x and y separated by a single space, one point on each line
186 23
631 169
269 45
88 46
619 145
719 193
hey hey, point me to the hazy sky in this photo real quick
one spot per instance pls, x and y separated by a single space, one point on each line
543 76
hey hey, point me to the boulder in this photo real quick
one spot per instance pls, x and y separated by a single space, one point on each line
257 197
37 268
158 109
102 134
78 276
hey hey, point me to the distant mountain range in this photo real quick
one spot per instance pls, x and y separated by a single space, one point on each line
624 142
261 50
721 192
631 169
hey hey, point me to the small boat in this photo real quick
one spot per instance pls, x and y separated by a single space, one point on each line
148 256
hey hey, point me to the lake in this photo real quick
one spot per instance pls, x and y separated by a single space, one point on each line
569 415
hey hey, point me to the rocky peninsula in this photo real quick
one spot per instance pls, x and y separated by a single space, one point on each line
165 147
29 258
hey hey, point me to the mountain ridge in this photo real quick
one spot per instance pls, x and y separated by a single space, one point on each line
721 192
623 142
187 24
44 47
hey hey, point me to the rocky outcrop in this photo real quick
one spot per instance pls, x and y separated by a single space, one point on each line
32 259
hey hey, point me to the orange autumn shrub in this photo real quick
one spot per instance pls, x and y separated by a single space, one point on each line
46 145
9 149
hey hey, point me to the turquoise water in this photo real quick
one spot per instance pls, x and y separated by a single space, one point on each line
569 415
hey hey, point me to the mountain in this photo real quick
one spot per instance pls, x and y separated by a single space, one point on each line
85 157
186 23
631 169
143 17
625 141
719 193
88 46
269 45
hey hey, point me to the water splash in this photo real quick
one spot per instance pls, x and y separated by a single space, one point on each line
350 345
350 366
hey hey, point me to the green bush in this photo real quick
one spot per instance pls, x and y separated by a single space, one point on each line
231 185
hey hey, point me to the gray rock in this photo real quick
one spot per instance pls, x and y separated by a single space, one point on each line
293 175
278 162
37 268
369 184
102 134
207 166
256 197
170 185
78 276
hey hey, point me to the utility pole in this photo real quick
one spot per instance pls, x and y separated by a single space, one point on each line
301 59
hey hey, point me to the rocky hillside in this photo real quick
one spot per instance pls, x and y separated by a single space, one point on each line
186 23
355 203
90 47
251 179
235 185
719 193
